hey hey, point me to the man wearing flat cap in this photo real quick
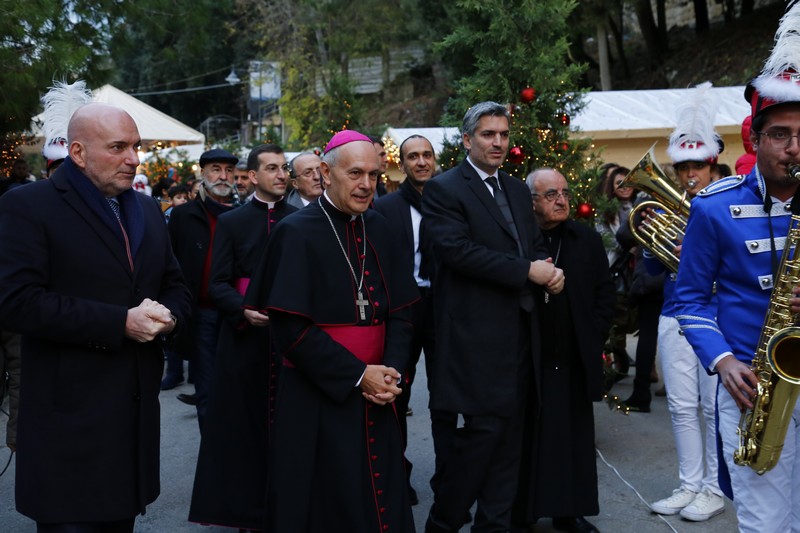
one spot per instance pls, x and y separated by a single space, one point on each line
344 334
191 229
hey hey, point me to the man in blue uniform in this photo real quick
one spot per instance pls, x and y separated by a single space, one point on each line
735 237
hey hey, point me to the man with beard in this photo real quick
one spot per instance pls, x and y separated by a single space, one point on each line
231 477
191 228
403 211
344 334
559 474
305 180
241 178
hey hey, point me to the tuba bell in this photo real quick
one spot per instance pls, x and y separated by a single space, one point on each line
664 230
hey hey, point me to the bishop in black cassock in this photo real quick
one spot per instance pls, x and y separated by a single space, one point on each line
338 296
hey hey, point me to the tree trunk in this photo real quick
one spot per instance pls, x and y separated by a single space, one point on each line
661 14
644 13
602 54
729 10
701 24
620 45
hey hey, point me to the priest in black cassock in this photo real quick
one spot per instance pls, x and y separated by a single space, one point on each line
338 296
231 478
559 471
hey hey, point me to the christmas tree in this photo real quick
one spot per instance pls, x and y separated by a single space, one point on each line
520 57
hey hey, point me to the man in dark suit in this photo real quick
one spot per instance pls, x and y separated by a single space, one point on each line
305 179
402 209
489 256
559 474
87 276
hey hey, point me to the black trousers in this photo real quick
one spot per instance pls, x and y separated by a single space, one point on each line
423 339
649 312
483 460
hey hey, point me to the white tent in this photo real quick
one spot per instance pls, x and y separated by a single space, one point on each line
624 124
154 126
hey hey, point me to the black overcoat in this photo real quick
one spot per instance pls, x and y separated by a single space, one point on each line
89 417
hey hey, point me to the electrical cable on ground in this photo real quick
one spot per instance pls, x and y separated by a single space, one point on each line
614 469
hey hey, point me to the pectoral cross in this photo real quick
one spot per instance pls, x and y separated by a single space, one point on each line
362 305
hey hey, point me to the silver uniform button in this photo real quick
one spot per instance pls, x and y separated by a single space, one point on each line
737 211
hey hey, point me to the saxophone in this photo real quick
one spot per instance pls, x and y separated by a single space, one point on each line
762 429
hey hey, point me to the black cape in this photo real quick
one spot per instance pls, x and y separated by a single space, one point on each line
230 482
336 459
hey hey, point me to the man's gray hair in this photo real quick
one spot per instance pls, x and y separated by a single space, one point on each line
530 181
295 158
474 114
331 156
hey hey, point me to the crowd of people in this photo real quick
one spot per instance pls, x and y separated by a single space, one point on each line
304 294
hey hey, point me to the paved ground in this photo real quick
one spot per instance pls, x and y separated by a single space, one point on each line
636 456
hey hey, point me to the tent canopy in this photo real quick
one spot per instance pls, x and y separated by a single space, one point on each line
154 126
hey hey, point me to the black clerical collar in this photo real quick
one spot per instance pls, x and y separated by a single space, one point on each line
334 211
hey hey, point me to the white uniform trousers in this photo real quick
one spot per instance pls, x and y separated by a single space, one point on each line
769 503
688 387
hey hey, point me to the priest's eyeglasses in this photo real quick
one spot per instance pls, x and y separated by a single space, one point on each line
779 139
310 172
551 195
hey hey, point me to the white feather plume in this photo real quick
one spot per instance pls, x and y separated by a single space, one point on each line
779 78
785 54
694 137
60 102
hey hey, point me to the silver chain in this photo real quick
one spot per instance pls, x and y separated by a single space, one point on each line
341 246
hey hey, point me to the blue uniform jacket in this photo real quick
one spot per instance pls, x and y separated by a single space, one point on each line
728 241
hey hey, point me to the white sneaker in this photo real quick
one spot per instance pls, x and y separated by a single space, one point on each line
705 505
668 506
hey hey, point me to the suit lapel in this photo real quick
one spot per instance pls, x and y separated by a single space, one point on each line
98 225
479 188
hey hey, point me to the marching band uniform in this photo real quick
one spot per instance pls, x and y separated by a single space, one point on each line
699 497
735 237
728 240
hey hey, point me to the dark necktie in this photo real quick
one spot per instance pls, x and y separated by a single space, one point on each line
114 206
525 297
502 203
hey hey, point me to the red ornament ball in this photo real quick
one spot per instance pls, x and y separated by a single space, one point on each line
584 210
564 118
527 95
516 155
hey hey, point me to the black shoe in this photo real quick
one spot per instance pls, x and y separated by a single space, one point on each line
188 399
574 525
634 406
170 382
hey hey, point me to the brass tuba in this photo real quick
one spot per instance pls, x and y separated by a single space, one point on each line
662 232
762 429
